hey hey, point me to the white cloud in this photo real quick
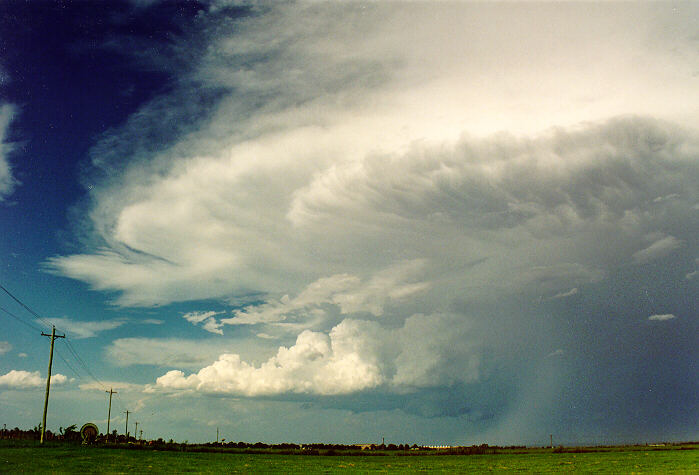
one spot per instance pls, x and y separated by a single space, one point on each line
660 248
7 181
86 329
28 380
317 364
5 346
662 318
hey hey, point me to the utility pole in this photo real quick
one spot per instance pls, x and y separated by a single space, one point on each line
127 425
48 380
109 413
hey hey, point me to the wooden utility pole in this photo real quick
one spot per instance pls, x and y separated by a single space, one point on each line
48 380
109 412
127 425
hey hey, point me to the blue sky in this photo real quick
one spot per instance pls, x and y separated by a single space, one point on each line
447 223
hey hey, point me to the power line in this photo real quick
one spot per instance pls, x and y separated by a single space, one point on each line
41 319
68 364
20 320
82 363
34 327
69 345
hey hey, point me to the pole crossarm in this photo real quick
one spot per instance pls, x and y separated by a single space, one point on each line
48 380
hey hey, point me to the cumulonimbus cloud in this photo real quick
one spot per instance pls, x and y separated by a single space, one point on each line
323 155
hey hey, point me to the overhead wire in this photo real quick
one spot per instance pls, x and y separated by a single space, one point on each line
82 363
68 344
20 320
46 322
68 364
35 328
39 317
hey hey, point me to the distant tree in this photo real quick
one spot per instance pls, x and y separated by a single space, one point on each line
70 433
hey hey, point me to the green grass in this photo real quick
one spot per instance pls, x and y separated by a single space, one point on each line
29 457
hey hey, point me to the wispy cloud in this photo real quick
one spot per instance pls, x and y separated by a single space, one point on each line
172 352
86 329
207 320
7 181
5 346
152 321
562 295
662 318
115 385
660 248
347 292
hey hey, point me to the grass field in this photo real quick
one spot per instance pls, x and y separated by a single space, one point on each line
30 457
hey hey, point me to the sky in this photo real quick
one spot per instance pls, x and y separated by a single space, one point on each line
442 223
